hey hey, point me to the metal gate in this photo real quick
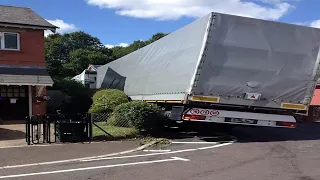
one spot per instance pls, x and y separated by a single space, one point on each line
58 127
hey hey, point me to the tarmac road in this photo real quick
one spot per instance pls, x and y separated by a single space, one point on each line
259 154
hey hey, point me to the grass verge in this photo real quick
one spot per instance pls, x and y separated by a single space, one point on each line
161 142
113 132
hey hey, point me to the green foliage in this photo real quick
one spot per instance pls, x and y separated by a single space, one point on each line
80 96
138 114
56 54
118 52
156 37
69 54
80 58
71 87
105 101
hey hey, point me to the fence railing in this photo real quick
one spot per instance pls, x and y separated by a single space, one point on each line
51 128
111 127
114 120
65 127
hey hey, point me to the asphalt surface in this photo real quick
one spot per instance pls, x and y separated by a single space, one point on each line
259 154
57 152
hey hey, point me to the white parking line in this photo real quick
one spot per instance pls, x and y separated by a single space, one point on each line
44 163
94 167
216 146
64 161
27 146
109 157
195 142
155 154
157 150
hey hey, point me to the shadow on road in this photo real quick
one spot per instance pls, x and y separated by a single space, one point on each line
303 132
208 133
10 134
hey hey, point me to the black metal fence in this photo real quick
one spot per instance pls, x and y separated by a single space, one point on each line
58 127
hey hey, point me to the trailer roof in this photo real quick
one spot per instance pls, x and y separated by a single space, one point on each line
224 56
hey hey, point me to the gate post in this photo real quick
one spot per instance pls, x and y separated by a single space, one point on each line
28 130
90 121
44 128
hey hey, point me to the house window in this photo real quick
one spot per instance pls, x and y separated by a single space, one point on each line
13 91
9 41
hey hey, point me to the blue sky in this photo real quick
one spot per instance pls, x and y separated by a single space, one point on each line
117 22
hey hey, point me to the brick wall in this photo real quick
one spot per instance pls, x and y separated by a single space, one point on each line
32 52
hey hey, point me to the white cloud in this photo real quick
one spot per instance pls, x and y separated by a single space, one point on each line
174 9
277 1
63 27
315 24
121 45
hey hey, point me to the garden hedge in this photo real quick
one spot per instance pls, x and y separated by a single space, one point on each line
105 101
138 114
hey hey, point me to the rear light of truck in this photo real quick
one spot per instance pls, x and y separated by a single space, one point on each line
287 124
193 117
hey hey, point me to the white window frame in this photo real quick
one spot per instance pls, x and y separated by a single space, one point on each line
3 44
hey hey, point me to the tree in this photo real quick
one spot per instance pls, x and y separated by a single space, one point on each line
69 54
119 52
82 40
80 58
56 54
157 36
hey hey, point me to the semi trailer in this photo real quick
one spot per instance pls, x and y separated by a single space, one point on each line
224 69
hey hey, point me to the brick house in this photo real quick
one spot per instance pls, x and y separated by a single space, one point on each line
23 74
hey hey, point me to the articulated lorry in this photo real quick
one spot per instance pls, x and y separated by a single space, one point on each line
224 69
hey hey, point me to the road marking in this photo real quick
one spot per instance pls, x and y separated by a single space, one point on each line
216 146
27 146
181 159
155 154
157 150
45 163
73 160
138 155
108 157
201 142
94 167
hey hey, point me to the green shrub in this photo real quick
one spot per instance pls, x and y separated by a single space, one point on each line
139 114
105 101
80 96
72 87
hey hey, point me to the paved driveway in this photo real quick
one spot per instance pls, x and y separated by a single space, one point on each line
12 135
261 153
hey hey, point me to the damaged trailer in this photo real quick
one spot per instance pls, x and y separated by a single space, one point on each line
224 69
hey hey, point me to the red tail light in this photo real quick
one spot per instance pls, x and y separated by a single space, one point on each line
193 117
287 124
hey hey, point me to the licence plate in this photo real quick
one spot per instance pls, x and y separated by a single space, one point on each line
241 121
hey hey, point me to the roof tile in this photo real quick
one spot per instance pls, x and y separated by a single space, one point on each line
22 16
